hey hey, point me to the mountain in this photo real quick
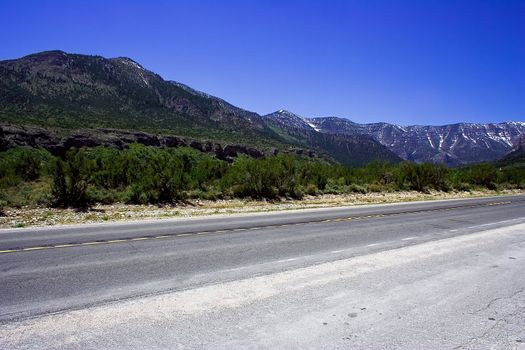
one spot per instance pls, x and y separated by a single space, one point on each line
514 158
55 88
62 91
453 144
347 149
67 92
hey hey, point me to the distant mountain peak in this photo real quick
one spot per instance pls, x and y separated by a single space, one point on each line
287 112
288 119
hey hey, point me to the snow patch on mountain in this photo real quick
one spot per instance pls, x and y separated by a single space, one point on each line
455 143
291 120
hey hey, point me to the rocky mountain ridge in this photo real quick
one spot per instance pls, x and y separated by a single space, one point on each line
54 89
58 90
453 144
58 144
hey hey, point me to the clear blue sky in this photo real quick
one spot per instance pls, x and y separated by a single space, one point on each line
408 62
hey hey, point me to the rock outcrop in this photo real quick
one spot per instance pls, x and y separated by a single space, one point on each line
58 143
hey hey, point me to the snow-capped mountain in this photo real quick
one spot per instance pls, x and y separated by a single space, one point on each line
286 119
350 149
452 144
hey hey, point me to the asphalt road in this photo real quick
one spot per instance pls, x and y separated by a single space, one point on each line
55 271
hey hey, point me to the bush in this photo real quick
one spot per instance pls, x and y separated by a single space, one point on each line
357 189
70 180
268 178
22 165
423 177
3 204
142 174
311 189
374 187
480 174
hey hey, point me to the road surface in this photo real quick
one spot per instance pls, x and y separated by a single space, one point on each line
439 274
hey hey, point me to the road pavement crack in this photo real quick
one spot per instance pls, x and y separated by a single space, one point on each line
490 303
481 336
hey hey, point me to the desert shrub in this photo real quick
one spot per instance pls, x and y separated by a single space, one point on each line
512 175
143 174
375 187
268 178
311 189
423 177
22 164
71 178
480 174
357 189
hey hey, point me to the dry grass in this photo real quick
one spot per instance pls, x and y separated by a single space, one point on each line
25 217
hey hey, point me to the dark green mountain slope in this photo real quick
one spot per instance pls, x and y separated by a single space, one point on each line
514 158
347 149
71 91
54 89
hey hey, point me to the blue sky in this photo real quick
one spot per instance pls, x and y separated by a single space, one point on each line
406 62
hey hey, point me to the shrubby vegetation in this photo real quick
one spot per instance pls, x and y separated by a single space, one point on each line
142 174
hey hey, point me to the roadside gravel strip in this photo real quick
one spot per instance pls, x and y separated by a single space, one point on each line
42 217
465 292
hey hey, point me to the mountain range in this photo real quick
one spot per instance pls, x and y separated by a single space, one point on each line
67 93
452 144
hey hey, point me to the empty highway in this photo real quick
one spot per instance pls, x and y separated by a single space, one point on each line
421 274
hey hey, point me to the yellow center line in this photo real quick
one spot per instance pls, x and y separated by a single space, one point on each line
64 245
243 229
36 248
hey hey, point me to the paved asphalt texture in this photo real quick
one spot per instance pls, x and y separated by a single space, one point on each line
54 271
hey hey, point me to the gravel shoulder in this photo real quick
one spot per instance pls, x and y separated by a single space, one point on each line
41 216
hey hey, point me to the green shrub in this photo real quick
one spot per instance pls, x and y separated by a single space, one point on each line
22 164
357 189
311 189
375 187
423 177
268 178
70 180
142 174
480 174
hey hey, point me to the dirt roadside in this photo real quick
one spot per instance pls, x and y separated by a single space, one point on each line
26 217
